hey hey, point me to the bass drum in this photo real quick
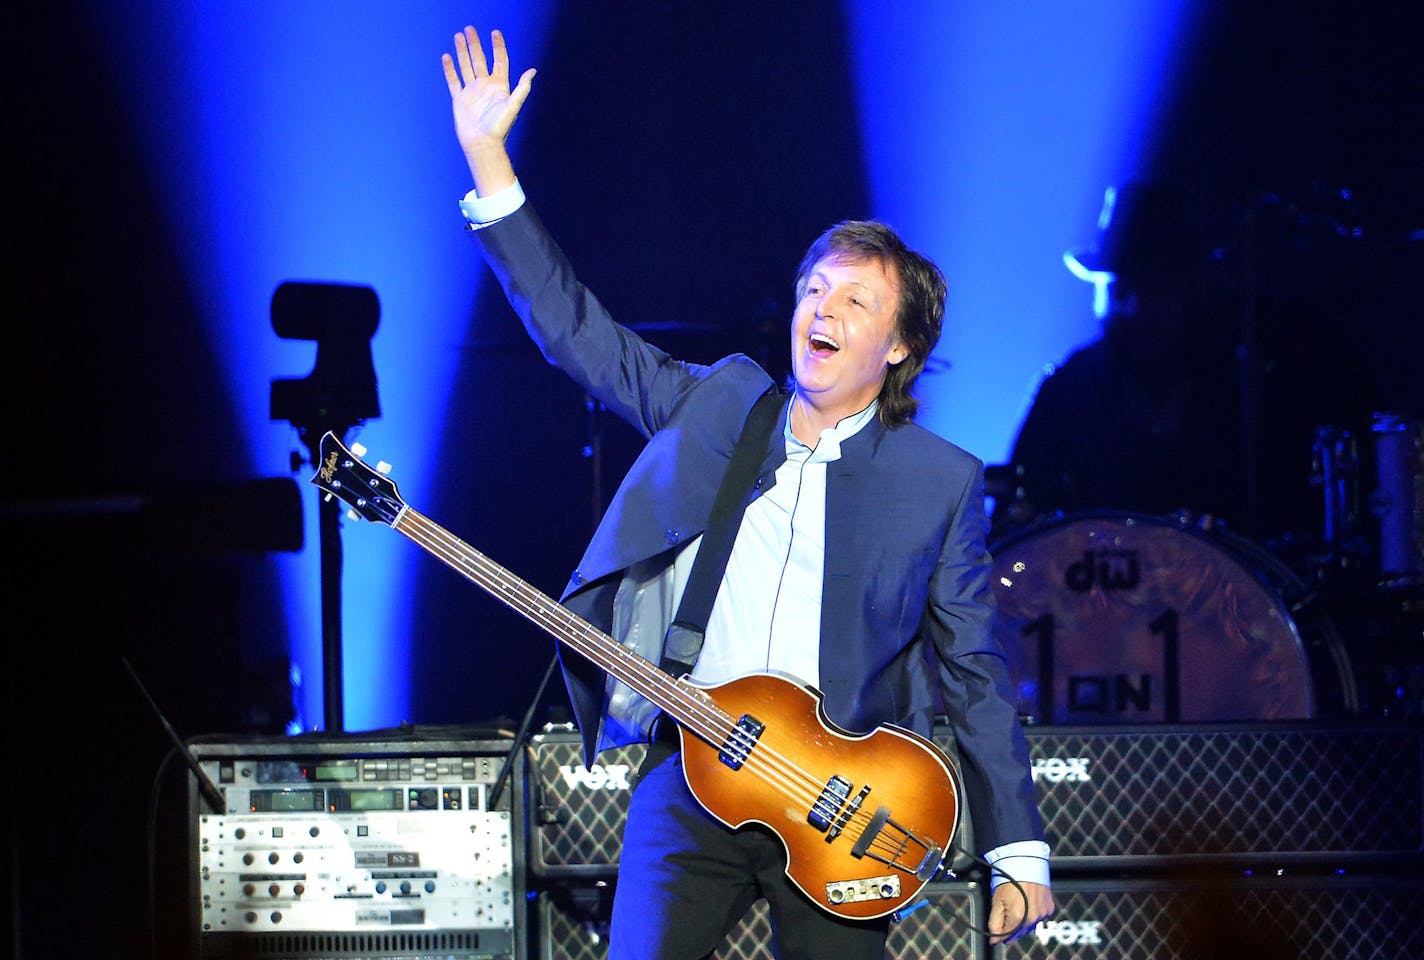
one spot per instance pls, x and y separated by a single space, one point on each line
1118 618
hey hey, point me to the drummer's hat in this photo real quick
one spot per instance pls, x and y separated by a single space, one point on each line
1145 227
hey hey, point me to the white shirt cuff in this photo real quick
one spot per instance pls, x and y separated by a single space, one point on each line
1024 860
480 212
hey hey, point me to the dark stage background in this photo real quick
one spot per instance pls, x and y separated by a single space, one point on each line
127 535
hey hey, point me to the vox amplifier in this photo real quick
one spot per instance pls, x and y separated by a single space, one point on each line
1157 795
574 922
578 814
1273 917
1117 797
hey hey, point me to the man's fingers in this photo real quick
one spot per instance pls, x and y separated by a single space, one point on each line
501 55
1017 909
526 83
452 79
1006 915
477 55
462 57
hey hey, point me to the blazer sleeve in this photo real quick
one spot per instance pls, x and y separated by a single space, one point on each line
976 693
627 375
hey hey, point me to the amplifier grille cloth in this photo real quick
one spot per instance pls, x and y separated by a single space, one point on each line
579 814
574 926
1184 792
1295 918
1148 794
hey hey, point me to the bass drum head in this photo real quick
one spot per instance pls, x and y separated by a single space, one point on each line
1117 618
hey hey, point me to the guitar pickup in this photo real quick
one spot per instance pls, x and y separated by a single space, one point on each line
829 803
743 739
847 813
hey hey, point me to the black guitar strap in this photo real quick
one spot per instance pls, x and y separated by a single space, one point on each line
684 637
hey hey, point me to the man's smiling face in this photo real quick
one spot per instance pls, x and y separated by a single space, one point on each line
843 336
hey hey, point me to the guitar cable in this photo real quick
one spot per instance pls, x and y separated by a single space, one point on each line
944 871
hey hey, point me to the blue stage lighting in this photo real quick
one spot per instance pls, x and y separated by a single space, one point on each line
990 132
312 141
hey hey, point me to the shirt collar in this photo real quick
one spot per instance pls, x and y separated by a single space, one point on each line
829 446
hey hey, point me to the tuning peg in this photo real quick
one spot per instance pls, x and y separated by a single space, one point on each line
353 515
383 468
326 498
359 449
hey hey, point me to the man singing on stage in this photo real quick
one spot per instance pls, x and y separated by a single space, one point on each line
858 565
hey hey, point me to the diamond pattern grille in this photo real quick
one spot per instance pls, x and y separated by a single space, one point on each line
1299 918
579 814
943 927
576 928
1151 793
1178 792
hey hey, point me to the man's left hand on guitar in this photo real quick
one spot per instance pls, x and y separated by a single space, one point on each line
1008 919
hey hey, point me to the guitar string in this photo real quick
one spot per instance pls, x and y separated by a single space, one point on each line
539 608
715 724
524 599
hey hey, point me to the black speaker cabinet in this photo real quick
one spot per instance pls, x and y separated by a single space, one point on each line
1286 917
1162 795
1151 796
573 925
577 814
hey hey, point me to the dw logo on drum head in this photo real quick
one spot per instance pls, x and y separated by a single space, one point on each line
1119 618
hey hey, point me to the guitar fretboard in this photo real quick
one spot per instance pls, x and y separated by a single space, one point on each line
686 704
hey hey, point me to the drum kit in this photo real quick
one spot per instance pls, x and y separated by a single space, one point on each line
1111 617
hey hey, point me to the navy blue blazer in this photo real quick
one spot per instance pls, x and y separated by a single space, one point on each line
906 601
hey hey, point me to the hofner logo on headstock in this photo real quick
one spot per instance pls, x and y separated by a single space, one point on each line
328 469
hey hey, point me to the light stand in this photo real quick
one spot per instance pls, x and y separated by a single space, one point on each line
340 393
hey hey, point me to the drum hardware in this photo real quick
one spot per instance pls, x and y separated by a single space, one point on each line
1006 485
1397 501
1367 561
1335 470
1391 468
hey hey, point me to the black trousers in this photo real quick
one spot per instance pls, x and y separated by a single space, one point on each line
685 880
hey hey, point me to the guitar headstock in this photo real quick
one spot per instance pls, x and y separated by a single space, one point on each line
369 493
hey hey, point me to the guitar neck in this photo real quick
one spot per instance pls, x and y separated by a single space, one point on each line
683 703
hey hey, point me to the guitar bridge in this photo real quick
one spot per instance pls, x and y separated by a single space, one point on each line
897 847
738 746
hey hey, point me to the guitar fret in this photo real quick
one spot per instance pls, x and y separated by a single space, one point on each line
770 763
596 645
